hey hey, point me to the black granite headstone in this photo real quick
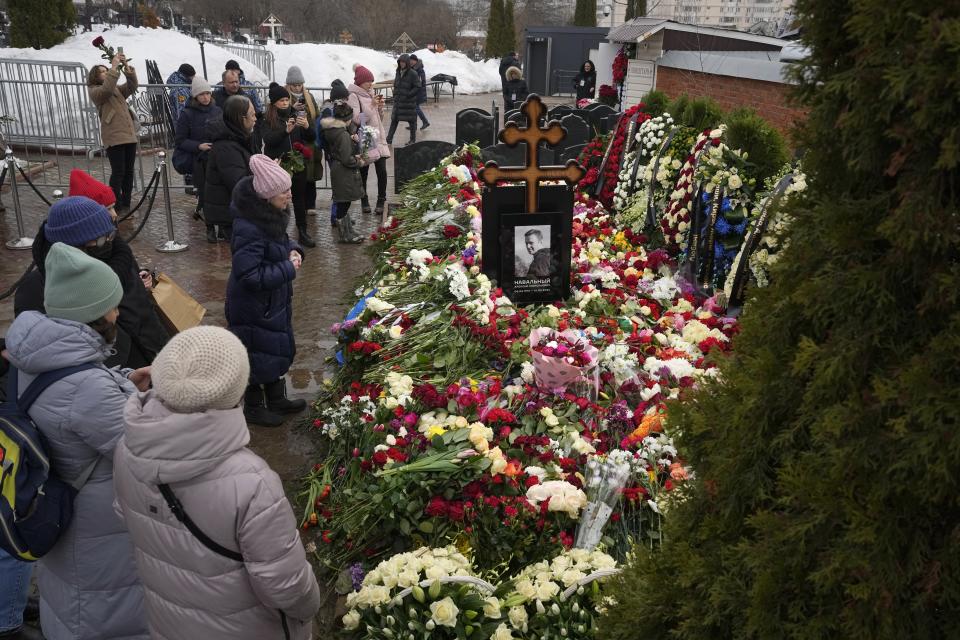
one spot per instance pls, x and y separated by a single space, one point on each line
578 131
598 115
474 125
416 159
504 155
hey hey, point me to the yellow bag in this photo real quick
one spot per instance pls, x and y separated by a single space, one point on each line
178 310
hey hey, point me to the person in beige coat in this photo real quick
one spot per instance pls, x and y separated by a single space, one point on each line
118 125
188 434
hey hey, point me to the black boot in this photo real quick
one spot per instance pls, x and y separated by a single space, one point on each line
277 401
380 206
256 411
305 238
365 204
211 234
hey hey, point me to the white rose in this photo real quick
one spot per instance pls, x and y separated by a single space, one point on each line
547 590
444 612
351 620
735 182
491 608
395 331
502 633
518 618
526 589
570 577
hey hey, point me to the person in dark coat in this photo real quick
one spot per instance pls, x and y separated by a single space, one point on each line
345 165
509 60
259 303
585 82
192 137
417 64
515 90
233 83
284 129
304 101
82 223
406 87
228 161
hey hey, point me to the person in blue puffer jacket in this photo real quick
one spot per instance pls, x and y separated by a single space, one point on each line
193 141
259 302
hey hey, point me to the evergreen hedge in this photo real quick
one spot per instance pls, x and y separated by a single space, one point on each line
827 498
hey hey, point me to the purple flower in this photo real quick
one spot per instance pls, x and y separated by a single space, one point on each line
470 251
356 575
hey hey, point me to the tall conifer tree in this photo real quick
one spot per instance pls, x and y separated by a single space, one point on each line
495 27
40 25
827 495
509 28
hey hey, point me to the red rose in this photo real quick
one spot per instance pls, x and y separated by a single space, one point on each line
98 41
436 508
380 458
451 231
455 511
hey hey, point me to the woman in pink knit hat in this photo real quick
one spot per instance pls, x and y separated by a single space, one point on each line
368 111
259 304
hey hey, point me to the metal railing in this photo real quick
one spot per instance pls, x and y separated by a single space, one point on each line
561 83
253 53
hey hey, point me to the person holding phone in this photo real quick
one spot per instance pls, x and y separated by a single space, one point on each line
303 101
119 128
284 128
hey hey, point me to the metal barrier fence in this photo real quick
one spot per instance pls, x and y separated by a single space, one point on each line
561 83
254 53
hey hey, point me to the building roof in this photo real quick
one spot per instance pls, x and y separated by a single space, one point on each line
640 29
751 64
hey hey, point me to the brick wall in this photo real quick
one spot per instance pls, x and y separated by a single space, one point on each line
769 99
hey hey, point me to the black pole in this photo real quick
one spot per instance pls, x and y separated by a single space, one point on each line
203 59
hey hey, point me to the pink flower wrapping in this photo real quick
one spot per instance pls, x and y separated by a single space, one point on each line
556 375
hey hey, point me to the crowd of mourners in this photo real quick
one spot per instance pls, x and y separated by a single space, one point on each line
164 523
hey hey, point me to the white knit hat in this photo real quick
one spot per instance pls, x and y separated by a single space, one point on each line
201 368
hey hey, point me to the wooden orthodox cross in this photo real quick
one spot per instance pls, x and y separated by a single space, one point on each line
532 174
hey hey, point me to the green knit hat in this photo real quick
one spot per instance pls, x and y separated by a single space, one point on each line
78 287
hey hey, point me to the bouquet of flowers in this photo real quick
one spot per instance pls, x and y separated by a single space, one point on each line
431 592
108 52
583 103
368 140
607 95
562 359
294 161
605 482
558 598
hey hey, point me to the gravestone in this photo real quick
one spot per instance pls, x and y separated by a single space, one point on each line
559 111
475 125
610 122
504 155
528 228
593 105
572 152
416 159
578 131
598 114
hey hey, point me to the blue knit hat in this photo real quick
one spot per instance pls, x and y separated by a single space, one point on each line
76 220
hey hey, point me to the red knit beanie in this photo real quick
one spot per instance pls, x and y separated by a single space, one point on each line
361 74
83 184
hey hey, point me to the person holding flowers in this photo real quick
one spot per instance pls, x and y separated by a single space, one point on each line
368 112
288 137
259 303
118 124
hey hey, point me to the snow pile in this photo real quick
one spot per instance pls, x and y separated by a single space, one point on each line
320 63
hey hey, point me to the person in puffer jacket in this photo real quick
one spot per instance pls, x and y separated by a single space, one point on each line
89 587
189 433
406 88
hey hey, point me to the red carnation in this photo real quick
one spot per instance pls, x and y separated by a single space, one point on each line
436 508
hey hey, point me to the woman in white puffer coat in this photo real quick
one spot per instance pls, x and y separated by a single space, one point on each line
189 434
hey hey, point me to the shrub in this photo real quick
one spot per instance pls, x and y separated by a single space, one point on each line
826 501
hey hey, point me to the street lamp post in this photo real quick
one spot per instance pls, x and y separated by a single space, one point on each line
203 56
